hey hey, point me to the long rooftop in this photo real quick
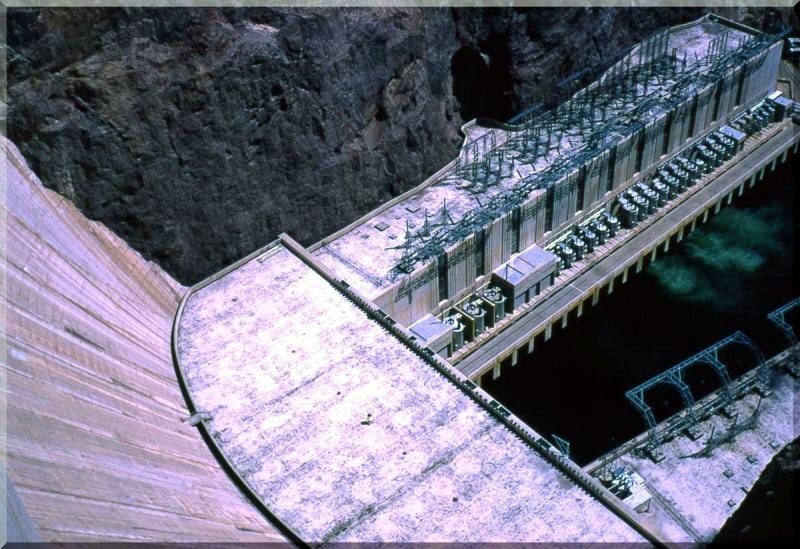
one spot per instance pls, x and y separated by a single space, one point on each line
346 434
497 169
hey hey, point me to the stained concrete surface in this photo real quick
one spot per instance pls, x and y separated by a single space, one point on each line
346 435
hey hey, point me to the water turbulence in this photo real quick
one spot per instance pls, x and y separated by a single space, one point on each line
718 261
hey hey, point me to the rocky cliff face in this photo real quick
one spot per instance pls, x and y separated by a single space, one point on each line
198 135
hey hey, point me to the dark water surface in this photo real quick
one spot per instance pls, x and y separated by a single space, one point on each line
726 276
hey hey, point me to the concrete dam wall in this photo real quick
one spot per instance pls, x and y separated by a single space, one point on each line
97 445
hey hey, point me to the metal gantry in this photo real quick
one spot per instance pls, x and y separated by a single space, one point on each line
716 439
779 319
674 376
645 83
562 444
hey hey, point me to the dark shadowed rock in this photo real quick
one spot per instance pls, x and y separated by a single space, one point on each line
768 513
200 134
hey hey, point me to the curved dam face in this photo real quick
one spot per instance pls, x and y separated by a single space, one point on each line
97 444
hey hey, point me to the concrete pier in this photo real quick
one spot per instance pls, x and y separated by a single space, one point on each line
700 483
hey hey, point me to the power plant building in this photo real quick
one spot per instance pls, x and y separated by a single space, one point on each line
519 190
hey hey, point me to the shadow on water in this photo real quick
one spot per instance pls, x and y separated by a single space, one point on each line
726 276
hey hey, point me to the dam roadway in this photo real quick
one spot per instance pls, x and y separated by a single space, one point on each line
586 282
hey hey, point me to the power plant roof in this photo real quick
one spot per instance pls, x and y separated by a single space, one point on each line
526 265
458 200
345 434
